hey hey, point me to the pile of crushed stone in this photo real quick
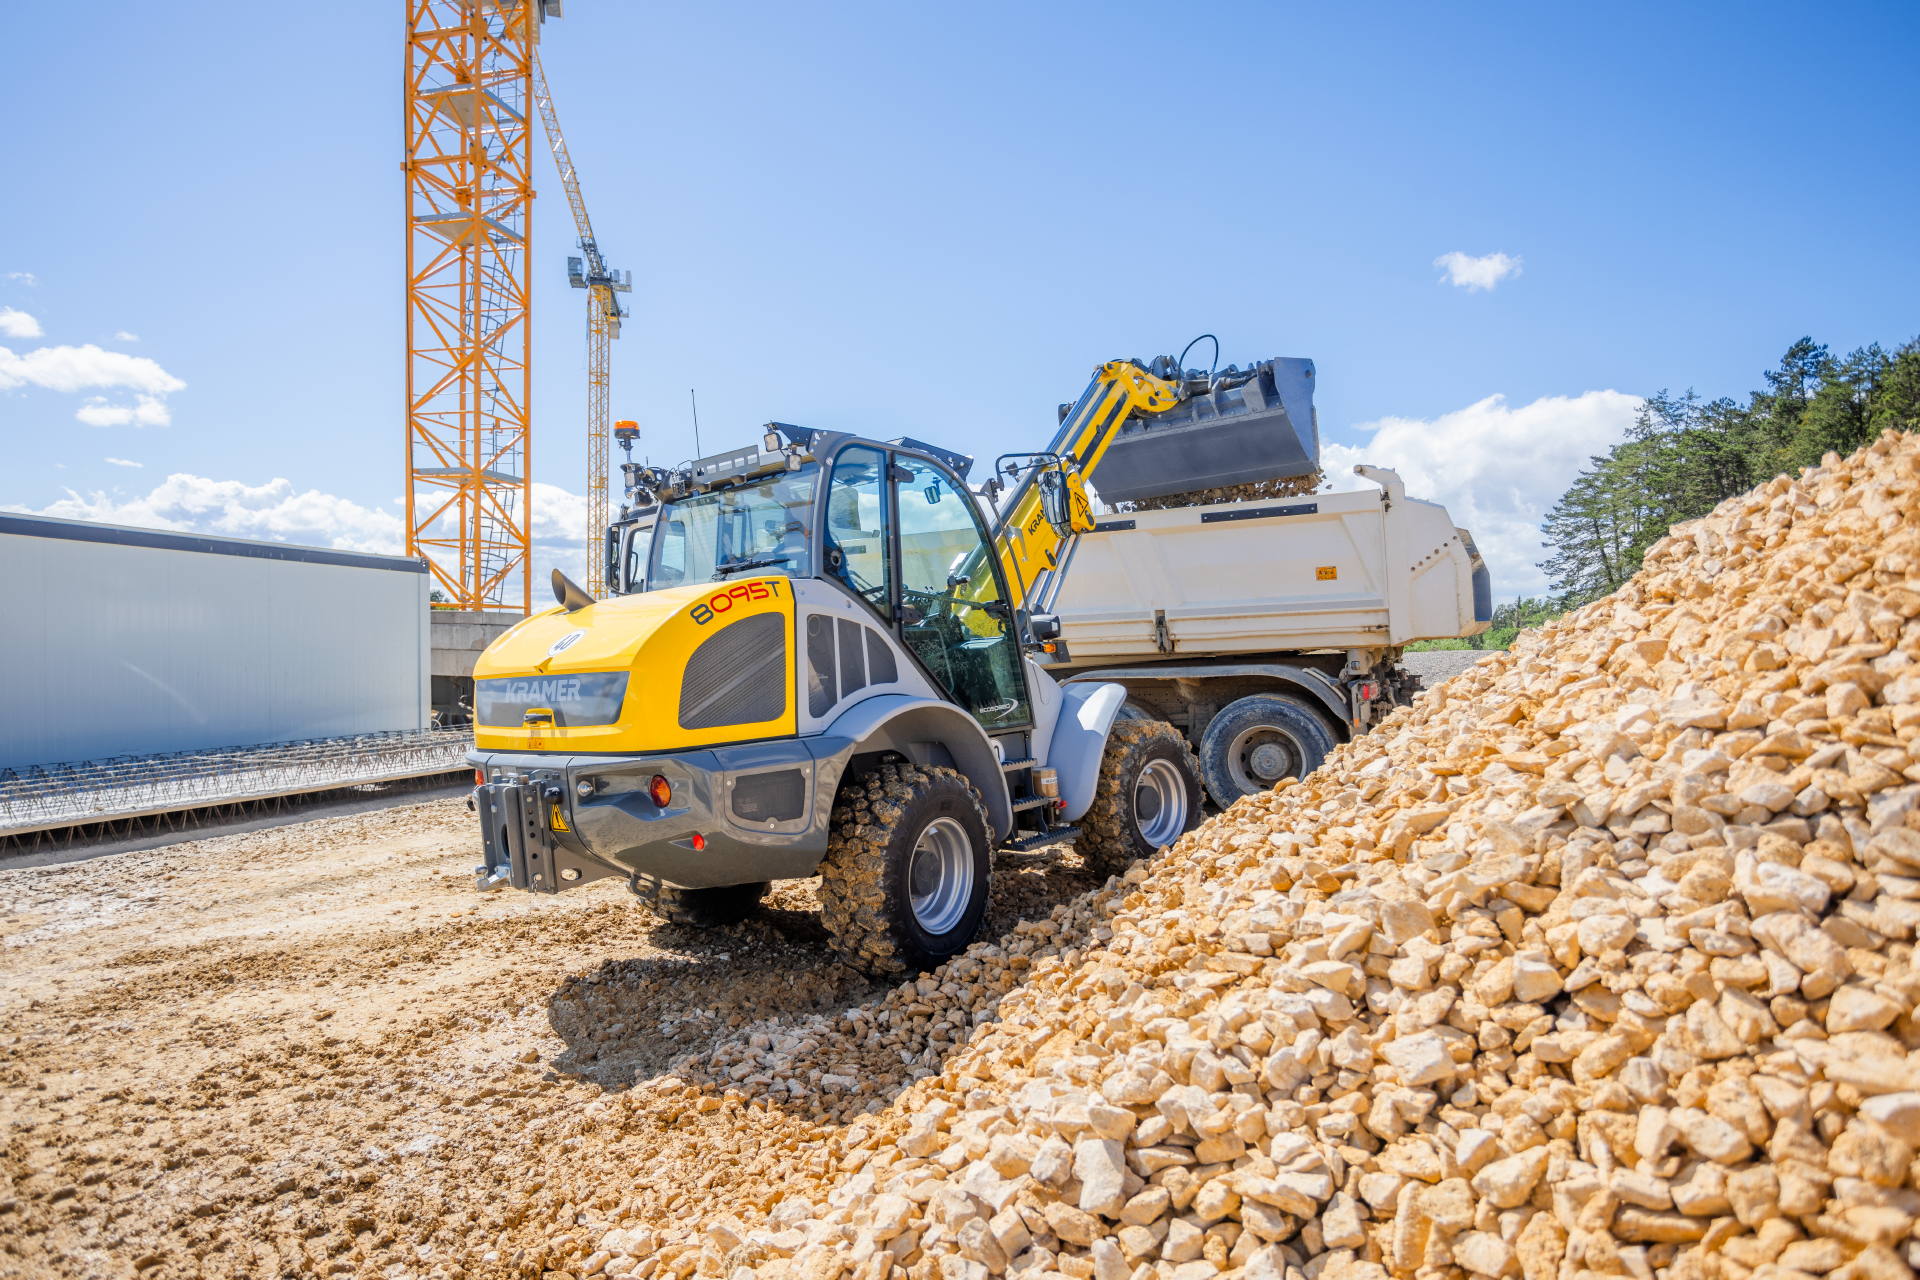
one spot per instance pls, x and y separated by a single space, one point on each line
1286 487
1597 961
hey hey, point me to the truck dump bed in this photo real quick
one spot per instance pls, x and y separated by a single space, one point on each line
1333 571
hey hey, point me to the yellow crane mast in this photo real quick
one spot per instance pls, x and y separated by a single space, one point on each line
469 182
589 272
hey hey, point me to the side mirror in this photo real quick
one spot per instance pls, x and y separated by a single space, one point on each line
1043 627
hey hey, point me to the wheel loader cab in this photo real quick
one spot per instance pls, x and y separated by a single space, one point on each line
904 536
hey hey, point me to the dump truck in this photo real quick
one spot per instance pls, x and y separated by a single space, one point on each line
1266 632
833 658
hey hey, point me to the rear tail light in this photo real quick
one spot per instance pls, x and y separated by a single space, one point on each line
479 777
661 792
699 842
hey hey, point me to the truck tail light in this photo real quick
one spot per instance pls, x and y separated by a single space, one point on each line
660 791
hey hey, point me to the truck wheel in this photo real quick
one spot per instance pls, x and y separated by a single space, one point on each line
709 908
904 883
1148 794
1255 742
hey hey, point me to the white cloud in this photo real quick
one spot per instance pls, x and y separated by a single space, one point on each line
18 324
276 512
273 512
1477 273
150 412
124 336
1496 469
24 277
559 537
78 368
122 462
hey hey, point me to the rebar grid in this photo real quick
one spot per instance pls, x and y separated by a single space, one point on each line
124 786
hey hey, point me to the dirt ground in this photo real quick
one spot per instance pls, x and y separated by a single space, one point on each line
316 1050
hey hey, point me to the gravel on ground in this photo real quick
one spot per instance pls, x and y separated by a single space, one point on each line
316 1050
1437 666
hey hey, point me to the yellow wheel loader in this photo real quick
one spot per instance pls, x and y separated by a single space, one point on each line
824 662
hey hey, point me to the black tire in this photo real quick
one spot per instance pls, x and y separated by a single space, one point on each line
708 908
1255 742
886 823
1133 711
1147 796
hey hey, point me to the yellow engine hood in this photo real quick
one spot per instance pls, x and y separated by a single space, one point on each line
695 659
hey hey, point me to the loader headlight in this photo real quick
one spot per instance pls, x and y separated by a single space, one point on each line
660 791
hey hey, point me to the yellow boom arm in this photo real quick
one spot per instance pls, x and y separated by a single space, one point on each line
1027 541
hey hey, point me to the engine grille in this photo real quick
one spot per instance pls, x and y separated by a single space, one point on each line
738 676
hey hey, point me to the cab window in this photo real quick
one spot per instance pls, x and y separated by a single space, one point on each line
670 557
856 540
952 613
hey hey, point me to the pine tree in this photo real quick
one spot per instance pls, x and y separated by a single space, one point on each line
1684 457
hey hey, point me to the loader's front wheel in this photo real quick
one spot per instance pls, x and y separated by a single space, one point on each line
909 862
1147 797
709 908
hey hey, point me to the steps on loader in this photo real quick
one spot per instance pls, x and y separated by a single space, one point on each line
1040 839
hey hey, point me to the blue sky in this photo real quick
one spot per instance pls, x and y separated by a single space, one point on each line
902 219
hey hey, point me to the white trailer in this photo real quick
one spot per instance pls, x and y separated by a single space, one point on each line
122 641
1266 631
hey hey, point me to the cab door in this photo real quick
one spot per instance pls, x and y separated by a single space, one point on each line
952 611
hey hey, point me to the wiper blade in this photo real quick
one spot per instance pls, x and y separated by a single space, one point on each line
752 562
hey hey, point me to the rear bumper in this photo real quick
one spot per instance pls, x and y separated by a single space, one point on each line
760 812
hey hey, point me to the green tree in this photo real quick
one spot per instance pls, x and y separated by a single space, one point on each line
1683 456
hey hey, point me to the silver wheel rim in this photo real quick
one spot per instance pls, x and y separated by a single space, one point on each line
1160 803
940 876
1260 756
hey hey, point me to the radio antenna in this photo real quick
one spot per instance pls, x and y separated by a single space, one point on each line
695 401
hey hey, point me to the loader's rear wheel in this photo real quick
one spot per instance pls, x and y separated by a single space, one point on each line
909 860
709 908
1255 742
1147 797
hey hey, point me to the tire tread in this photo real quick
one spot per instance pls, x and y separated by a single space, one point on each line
1106 842
707 908
853 892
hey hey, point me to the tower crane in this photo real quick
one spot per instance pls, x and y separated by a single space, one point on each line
469 184
590 272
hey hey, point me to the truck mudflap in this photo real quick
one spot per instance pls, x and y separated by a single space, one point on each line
518 842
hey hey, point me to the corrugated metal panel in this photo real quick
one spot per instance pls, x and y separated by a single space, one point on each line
119 648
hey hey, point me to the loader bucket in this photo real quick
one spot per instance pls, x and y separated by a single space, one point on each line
1264 430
